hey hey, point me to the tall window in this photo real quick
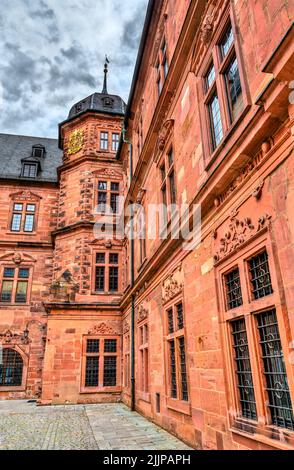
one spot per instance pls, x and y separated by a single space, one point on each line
223 93
107 272
104 141
11 368
127 374
108 196
23 217
144 358
178 384
256 340
115 141
14 287
100 362
161 66
168 185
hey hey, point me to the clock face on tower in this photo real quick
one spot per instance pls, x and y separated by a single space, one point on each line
76 141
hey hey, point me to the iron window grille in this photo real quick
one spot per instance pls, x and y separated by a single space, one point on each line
184 385
233 289
113 278
260 276
109 376
180 316
277 388
243 370
100 363
11 368
174 390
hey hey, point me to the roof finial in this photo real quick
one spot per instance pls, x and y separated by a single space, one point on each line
104 91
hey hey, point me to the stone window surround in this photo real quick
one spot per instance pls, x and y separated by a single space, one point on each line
17 266
262 428
24 212
175 404
213 54
102 354
107 254
143 348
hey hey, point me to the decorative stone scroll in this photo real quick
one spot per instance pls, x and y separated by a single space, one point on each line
9 338
163 137
103 329
142 313
126 328
239 232
173 285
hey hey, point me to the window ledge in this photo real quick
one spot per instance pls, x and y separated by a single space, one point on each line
13 389
100 390
179 406
275 443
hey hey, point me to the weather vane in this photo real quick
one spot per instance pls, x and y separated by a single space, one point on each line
104 91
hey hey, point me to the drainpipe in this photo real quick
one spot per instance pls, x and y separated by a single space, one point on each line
132 267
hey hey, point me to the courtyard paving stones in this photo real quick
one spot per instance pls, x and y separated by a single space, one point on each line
25 426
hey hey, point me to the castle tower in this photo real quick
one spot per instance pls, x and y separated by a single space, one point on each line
87 272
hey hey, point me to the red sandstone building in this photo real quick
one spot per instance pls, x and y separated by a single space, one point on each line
200 341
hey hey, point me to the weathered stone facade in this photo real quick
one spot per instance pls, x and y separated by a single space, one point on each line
199 313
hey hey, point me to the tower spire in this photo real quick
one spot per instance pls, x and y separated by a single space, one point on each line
104 91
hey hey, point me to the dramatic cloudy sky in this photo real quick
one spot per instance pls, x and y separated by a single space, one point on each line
52 54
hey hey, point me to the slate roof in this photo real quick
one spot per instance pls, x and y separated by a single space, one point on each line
99 102
15 148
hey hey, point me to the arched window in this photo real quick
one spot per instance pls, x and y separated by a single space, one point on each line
11 368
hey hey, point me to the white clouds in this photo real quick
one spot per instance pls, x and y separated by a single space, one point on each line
52 54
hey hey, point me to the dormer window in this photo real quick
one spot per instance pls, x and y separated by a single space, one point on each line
107 102
38 152
29 170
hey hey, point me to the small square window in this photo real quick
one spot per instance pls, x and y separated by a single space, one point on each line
227 41
233 289
210 77
114 186
110 345
100 258
31 207
93 346
38 152
102 186
260 276
24 273
18 207
113 258
9 272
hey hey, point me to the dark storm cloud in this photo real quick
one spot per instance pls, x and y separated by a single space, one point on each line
52 54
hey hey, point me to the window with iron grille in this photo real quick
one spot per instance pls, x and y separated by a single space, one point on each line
11 368
14 288
104 141
177 355
260 276
277 388
23 217
222 84
233 289
100 362
144 358
243 370
173 372
113 278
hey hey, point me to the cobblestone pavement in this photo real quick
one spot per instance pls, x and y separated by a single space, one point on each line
24 426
